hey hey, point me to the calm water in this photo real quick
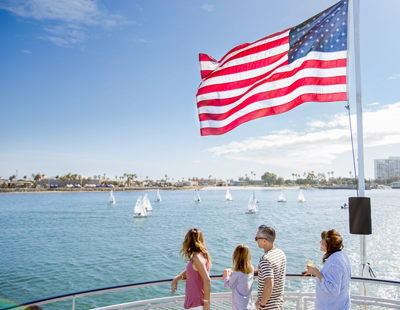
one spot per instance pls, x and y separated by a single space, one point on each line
66 242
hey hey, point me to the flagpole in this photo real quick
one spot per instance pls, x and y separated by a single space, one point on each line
360 140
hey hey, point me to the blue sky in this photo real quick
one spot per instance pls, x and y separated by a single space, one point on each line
94 87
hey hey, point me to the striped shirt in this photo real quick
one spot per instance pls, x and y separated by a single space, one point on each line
272 265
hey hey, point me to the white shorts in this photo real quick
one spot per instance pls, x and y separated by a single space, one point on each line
197 308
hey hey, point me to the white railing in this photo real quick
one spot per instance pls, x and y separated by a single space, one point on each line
299 294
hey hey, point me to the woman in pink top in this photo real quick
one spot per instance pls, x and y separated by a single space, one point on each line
198 282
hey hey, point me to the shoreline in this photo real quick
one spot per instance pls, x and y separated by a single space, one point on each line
132 189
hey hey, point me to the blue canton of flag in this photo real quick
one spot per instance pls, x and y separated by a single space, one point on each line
325 32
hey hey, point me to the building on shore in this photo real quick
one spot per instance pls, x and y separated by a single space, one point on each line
384 168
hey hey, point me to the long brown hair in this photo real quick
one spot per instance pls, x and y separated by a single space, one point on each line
333 241
241 259
194 242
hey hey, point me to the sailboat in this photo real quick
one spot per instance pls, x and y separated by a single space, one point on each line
252 205
111 199
301 197
281 197
139 209
228 196
146 203
197 196
158 196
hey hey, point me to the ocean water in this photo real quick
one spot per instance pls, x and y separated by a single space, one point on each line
57 243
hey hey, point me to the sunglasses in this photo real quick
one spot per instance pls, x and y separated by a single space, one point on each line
256 238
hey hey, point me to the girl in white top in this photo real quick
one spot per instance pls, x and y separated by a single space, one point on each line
240 280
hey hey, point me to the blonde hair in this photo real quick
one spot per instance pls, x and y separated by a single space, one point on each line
194 242
241 259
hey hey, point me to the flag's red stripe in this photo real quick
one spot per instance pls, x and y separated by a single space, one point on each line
205 57
259 49
274 94
236 84
204 73
248 44
274 110
248 66
320 64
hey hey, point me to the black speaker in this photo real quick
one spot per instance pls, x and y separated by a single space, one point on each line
360 215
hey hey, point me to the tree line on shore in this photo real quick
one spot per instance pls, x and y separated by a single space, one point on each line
268 178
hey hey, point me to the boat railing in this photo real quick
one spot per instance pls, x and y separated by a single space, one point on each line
299 294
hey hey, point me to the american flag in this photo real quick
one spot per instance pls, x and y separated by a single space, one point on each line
275 74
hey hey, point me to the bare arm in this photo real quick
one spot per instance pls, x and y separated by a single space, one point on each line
268 286
174 284
199 262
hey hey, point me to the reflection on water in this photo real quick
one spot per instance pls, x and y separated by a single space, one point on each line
65 242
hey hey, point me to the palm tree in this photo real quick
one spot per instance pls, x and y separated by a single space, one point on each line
351 174
332 174
252 173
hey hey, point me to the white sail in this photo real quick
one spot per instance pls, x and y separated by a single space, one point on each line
111 199
228 196
301 197
147 203
158 195
252 205
139 207
197 196
281 197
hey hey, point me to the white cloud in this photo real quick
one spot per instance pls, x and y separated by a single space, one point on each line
143 41
71 17
207 7
56 40
318 148
373 103
394 76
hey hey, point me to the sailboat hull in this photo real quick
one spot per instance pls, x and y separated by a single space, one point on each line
251 212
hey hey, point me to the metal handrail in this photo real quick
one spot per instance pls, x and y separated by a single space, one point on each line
95 291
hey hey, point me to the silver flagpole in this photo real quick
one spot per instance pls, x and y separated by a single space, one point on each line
364 270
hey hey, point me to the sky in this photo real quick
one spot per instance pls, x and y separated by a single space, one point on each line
108 86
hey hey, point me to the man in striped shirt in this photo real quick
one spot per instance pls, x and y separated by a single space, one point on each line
271 271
